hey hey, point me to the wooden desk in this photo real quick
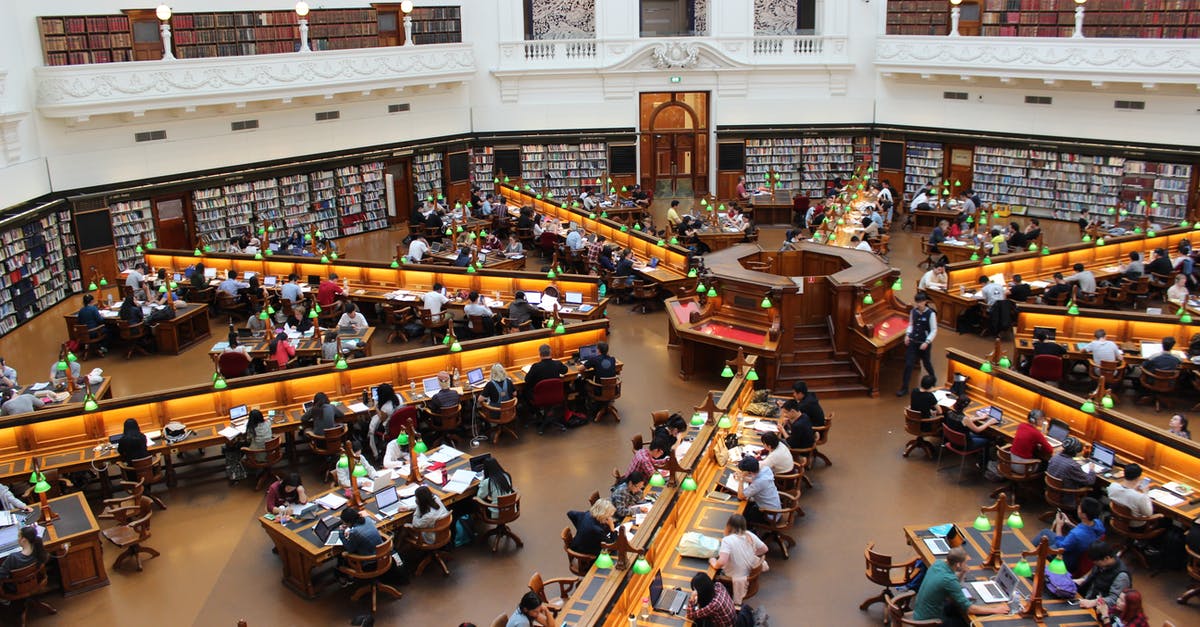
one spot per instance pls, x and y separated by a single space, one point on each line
1128 329
82 568
301 551
978 545
925 221
493 261
189 326
307 347
101 390
1163 457
721 239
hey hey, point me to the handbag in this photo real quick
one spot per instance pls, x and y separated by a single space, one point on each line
175 431
1061 586
698 545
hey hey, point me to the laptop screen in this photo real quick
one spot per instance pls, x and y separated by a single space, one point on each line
1050 332
386 497
431 385
210 273
177 277
587 352
9 535
270 281
238 412
1103 454
305 407
656 588
995 413
322 529
573 298
477 461
1058 430
314 280
475 376
533 297
1006 580
653 263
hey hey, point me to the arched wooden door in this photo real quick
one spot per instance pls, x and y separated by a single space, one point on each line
675 143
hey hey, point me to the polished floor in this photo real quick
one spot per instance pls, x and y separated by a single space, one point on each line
217 567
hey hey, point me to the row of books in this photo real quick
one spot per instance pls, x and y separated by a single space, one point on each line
41 267
564 170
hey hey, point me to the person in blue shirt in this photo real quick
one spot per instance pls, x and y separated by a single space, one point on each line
1080 537
89 316
292 290
359 537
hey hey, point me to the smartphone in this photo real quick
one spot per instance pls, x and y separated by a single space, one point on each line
1145 483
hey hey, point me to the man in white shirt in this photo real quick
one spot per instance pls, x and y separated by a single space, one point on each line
920 201
434 300
1131 493
935 278
1102 348
352 317
860 244
990 293
417 249
574 239
1083 279
136 280
778 456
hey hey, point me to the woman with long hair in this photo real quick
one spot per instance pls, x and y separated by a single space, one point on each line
386 403
429 510
281 350
32 551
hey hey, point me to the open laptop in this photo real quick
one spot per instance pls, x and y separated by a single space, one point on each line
477 461
573 298
588 351
1057 432
9 537
243 332
1050 332
314 280
388 501
652 264
997 414
431 386
533 298
325 530
942 546
210 273
176 277
998 588
1100 460
305 407
669 601
238 413
270 281
475 378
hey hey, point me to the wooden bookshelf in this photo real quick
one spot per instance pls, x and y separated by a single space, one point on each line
427 175
41 267
1151 19
533 167
361 199
483 168
131 221
924 163
824 159
779 156
74 40
562 171
437 25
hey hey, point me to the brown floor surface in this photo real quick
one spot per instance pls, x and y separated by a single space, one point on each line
217 567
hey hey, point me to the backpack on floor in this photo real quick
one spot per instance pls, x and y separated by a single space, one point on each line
751 617
575 419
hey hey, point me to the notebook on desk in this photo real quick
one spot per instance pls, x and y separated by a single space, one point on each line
998 588
669 601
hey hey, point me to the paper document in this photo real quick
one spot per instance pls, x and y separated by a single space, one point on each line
764 426
526 368
1178 488
407 491
220 346
434 476
39 386
357 407
944 398
732 482
231 433
1037 285
445 454
1150 349
1164 497
333 500
683 448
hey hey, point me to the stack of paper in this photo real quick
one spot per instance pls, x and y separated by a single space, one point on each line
434 476
459 481
357 407
1164 497
445 454
232 433
333 500
765 426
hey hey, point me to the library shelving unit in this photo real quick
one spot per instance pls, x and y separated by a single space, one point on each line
343 29
781 156
266 200
533 166
208 208
824 159
372 198
866 150
427 176
1087 182
1163 183
918 17
592 165
74 40
351 212
483 167
131 221
40 267
924 163
323 210
437 25
560 159
1001 174
1154 19
294 199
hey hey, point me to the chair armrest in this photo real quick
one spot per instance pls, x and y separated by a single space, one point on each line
565 585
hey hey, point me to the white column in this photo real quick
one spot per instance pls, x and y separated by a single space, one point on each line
618 19
712 142
731 18
511 20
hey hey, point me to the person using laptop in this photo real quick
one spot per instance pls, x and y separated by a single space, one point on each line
1131 492
1072 538
499 387
475 307
429 510
1107 579
974 427
710 604
1029 443
328 290
756 485
359 537
10 502
322 414
1163 362
232 286
417 249
132 443
1102 348
196 278
32 551
286 491
1070 472
922 399
941 593
546 368
494 484
446 396
291 291
434 300
520 311
255 324
530 612
352 317
741 551
258 432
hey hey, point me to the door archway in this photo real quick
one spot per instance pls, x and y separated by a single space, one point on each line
675 143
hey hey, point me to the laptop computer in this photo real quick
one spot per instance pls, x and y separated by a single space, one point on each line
305 407
431 386
588 351
478 460
314 280
244 332
573 298
270 281
388 501
325 529
653 263
475 378
238 412
1050 332
997 414
669 601
942 546
176 277
998 588
9 537
1101 459
533 298
1057 432
210 273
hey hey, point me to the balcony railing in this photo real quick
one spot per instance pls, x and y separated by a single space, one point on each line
82 91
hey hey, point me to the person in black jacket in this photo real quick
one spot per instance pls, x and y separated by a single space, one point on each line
1019 291
923 400
593 527
1057 289
132 444
1160 264
321 415
808 403
89 316
131 312
797 425
547 368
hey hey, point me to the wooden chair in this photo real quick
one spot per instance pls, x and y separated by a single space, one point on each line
148 470
22 585
1057 300
1112 371
501 418
1193 571
476 327
435 326
879 571
921 429
434 550
777 530
132 532
549 398
235 364
136 337
271 453
508 326
1139 292
206 296
229 305
645 296
927 252
899 612
1059 497
822 438
1015 473
500 621
134 491
565 585
506 509
329 314
1159 283
791 482
751 582
1089 299
1115 296
328 445
396 317
578 563
956 443
659 417
445 422
603 394
1135 529
1047 368
370 568
1159 386
90 340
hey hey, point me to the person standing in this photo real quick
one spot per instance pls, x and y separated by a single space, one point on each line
922 329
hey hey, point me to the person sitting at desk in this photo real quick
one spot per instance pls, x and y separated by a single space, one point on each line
775 454
447 396
741 551
1178 426
1033 231
8 375
525 220
870 229
796 425
1066 469
756 485
1018 240
499 387
1029 443
593 527
627 494
343 474
673 218
299 320
574 240
14 403
532 611
1019 291
647 459
1057 289
258 432
132 443
860 245
520 311
255 324
1163 361
475 307
286 491
291 291
1102 348
352 317
232 286
1080 536
433 220
740 192
89 316
434 300
1132 493
999 244
601 365
429 510
281 350
10 502
604 261
135 281
810 405
990 293
1160 264
72 366
671 430
322 414
359 534
546 368
710 603
196 276
538 227
974 428
941 592
1178 292
464 257
1135 269
417 249
922 399
1125 612
1084 280
934 278
514 248
130 311
31 551
920 201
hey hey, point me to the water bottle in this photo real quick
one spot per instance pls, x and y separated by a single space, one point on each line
366 397
412 389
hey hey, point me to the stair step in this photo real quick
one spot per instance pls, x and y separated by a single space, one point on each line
807 355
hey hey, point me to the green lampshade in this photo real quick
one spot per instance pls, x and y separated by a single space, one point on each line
333 255
36 476
1087 238
674 241
308 236
324 258
1112 210
592 215
712 293
974 256
700 289
637 226
766 303
473 236
1099 241
262 231
446 339
103 281
208 248
395 263
404 260
343 462
470 269
724 422
1184 223
1186 318
71 357
559 328
312 314
402 439
359 471
1022 569
271 229
496 179
220 383
604 561
174 285
662 242
986 367
42 486
551 274
340 364
1058 566
970 219
449 231
1004 362
539 196
270 252
987 260
139 250
841 221
1107 402
1073 309
752 375
1151 233
624 229
1137 230
1088 407
688 484
317 307
867 300
697 419
691 272
898 285
1045 250
983 221
727 372
91 405
262 315
162 289
703 202
61 365
1033 246
420 447
1014 521
657 480
92 286
455 347
506 180
982 523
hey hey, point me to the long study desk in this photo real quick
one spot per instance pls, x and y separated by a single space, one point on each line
978 545
1164 458
171 336
307 346
69 439
1127 329
76 532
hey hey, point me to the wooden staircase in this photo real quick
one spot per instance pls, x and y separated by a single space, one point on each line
813 361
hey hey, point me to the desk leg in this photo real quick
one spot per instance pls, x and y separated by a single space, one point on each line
687 359
82 568
297 568
290 439
169 465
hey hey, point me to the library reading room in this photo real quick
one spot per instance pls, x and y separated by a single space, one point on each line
600 313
